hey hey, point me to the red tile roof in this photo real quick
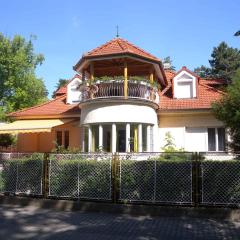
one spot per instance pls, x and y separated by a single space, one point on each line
119 46
63 90
206 95
57 106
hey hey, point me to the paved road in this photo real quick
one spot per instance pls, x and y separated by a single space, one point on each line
32 223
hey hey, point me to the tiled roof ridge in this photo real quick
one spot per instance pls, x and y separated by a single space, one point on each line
99 47
36 106
123 43
140 49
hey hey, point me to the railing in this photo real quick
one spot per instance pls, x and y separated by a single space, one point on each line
115 89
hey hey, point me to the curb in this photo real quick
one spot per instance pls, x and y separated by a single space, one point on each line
227 214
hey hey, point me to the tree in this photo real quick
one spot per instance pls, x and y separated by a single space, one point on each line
7 140
19 86
203 72
168 61
61 83
224 63
237 34
227 110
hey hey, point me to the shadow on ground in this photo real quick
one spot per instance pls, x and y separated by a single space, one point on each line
30 222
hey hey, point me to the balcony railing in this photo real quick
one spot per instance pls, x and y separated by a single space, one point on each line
115 89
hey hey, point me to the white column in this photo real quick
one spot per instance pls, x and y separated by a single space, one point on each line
83 138
100 134
89 139
140 137
128 137
114 137
148 138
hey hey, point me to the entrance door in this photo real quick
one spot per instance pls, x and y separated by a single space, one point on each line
121 141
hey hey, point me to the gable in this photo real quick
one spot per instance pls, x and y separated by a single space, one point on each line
185 85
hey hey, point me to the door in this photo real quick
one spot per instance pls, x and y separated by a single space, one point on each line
121 143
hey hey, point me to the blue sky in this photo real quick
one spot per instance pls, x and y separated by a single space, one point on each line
186 30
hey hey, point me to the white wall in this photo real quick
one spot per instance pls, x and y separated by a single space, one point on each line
106 112
189 131
73 93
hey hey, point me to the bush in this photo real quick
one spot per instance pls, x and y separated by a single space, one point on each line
221 181
7 140
172 179
22 175
81 178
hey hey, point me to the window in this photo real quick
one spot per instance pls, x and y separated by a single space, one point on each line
221 139
216 139
185 85
66 139
59 138
62 138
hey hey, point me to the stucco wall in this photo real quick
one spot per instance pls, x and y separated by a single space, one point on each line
27 142
44 142
177 125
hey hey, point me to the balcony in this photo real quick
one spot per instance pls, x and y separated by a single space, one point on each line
115 89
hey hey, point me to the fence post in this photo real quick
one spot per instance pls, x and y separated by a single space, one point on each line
196 192
115 180
45 189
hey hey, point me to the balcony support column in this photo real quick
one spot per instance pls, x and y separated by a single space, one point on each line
91 72
90 139
125 80
151 77
128 137
114 138
148 138
100 134
140 137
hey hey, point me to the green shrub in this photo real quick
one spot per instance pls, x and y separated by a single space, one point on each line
22 175
83 178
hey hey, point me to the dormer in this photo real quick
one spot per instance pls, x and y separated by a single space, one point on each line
73 93
185 84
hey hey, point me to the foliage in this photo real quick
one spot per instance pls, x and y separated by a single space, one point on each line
170 145
224 63
203 71
93 180
227 110
19 86
169 61
7 140
221 179
237 34
29 171
121 78
61 83
62 149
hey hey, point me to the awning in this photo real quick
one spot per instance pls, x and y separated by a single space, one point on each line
32 126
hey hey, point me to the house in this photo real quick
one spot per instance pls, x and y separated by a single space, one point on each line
123 100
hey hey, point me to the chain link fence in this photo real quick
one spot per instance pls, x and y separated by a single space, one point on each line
157 178
84 176
205 179
220 179
21 173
